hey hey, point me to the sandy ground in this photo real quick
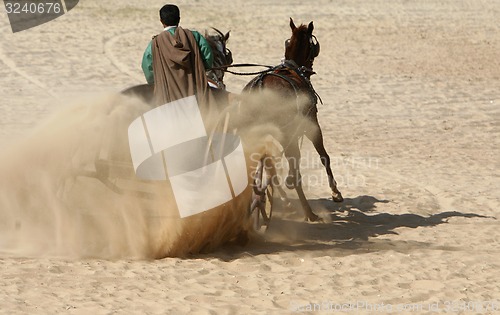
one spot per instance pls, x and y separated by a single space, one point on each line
412 122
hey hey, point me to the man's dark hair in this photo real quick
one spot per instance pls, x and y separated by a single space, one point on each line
170 15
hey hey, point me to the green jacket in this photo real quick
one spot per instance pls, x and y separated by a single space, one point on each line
205 50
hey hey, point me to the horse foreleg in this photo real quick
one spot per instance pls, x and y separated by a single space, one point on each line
314 134
294 179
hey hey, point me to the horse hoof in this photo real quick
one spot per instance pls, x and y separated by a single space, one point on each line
337 197
314 218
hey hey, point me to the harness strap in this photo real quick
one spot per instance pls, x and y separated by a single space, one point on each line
301 72
224 68
291 67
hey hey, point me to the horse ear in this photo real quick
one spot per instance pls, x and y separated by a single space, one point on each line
310 28
292 25
226 37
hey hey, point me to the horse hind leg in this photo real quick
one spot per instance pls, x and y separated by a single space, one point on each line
314 134
336 194
294 179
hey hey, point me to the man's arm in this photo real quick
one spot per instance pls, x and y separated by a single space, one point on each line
147 64
205 49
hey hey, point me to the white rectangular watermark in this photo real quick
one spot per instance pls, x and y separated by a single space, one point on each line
446 306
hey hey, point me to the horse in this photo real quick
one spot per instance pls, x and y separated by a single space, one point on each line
215 77
296 104
223 57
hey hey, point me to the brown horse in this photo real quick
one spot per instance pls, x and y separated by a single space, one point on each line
295 113
222 57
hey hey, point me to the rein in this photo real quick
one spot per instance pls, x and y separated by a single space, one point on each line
303 73
224 68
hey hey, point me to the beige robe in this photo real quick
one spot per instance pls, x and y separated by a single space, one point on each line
179 72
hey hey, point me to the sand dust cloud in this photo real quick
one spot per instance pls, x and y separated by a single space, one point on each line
49 205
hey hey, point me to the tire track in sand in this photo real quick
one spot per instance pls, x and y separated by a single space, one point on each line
11 64
108 52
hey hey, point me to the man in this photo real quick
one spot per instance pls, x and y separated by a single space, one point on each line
176 61
170 18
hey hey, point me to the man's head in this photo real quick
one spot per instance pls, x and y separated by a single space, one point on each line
170 15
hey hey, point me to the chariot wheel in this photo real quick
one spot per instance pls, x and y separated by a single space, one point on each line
261 207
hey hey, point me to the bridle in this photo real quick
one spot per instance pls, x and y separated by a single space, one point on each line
222 58
225 55
314 47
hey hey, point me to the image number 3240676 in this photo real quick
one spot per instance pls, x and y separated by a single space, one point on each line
25 14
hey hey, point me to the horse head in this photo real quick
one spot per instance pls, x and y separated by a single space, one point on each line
222 56
302 47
